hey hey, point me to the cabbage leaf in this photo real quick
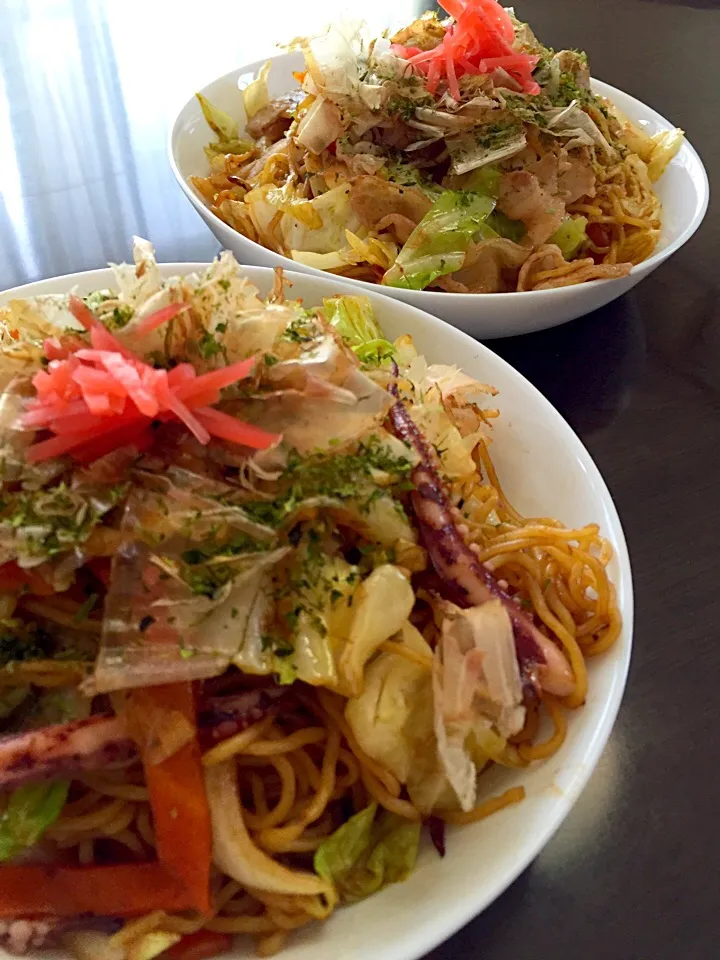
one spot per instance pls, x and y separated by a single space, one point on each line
665 145
484 180
354 319
255 95
307 226
504 227
368 852
380 608
570 236
392 719
438 244
31 809
221 123
224 128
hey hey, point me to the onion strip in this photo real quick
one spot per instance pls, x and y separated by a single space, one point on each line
235 853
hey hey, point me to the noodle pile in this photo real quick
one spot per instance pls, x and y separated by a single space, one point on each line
302 773
235 684
628 210
566 179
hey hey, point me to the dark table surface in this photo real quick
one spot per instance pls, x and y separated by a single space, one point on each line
87 88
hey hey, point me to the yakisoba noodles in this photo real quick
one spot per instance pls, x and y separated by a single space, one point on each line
459 155
267 613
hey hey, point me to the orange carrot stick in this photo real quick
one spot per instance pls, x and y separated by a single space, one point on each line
120 891
177 793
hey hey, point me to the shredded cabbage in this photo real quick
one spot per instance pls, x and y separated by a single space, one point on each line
477 692
656 151
450 380
335 59
438 244
169 609
138 282
468 152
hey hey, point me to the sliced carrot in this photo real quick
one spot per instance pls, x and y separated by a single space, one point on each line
14 578
177 793
225 427
119 891
179 880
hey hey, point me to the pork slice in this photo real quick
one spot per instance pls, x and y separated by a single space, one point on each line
523 198
274 118
373 199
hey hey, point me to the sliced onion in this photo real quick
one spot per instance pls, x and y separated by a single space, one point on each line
234 852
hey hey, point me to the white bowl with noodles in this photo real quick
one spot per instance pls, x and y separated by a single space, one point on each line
546 471
683 190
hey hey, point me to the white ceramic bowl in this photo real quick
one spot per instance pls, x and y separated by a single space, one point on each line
546 471
683 190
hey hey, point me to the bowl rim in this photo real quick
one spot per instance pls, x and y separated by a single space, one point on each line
420 938
643 268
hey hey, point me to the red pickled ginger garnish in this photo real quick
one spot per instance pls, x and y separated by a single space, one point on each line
480 41
99 398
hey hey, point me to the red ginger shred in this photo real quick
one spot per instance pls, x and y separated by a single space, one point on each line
97 400
479 41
